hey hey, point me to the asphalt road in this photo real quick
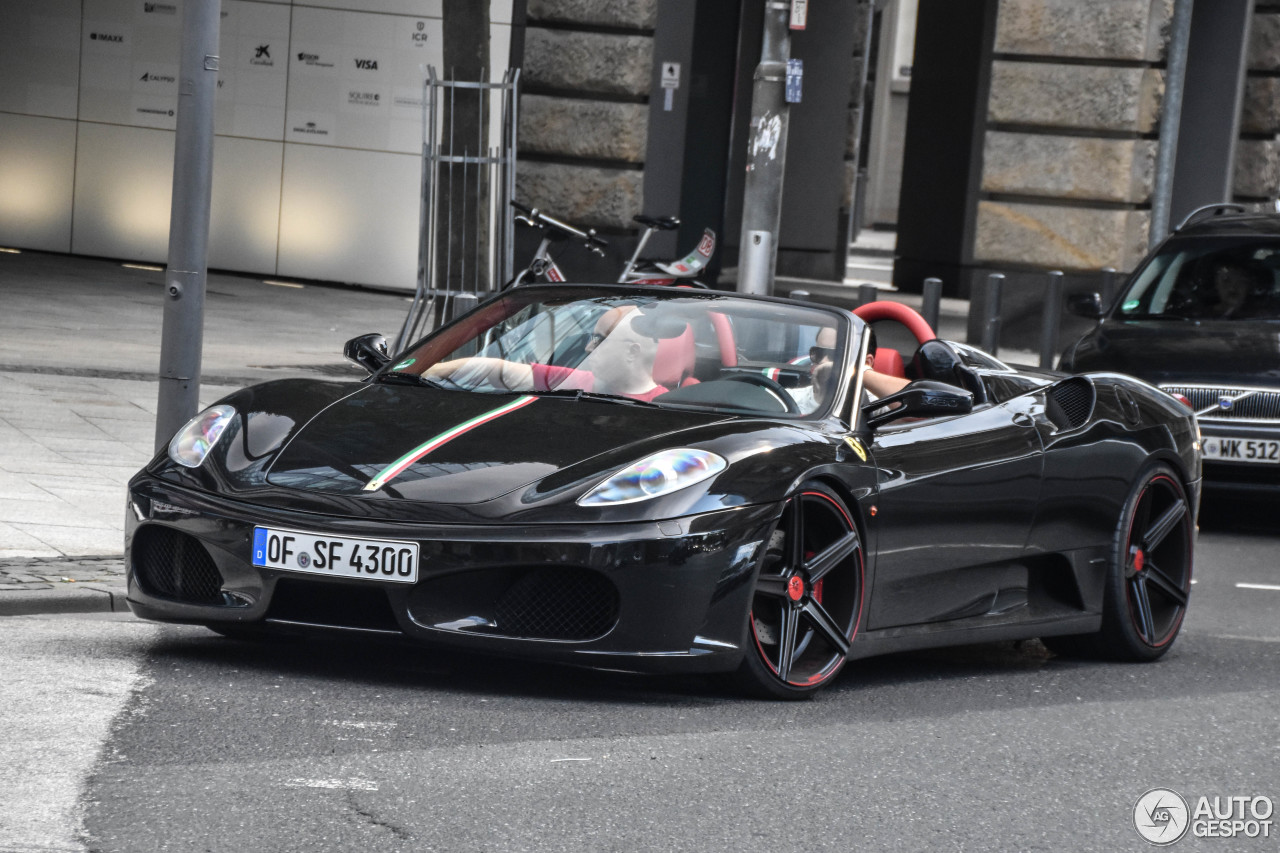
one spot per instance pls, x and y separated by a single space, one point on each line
222 745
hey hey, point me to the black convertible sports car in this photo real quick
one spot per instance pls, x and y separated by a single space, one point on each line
663 479
1200 318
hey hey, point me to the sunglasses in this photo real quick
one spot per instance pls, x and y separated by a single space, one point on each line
817 354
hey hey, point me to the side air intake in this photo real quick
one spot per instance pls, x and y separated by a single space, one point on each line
1070 403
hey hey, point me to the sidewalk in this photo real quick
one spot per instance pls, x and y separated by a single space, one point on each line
79 354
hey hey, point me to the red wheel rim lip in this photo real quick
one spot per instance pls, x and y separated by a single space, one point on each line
1182 610
839 662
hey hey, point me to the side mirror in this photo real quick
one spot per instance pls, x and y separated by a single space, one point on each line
1085 305
368 351
923 398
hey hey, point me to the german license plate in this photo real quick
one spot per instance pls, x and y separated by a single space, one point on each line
335 556
1265 451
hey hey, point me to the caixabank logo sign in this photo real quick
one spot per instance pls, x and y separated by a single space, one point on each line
1162 816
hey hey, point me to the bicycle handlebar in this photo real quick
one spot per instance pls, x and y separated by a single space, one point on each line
536 217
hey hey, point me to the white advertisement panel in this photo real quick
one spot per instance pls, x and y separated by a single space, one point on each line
130 56
355 80
39 57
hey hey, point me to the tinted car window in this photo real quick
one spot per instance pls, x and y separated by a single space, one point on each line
1207 279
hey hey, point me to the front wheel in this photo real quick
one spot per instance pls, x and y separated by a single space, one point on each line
808 598
1149 581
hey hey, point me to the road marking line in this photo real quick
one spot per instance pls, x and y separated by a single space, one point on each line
1269 586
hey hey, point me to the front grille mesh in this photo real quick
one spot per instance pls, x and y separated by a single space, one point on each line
1246 404
558 604
170 564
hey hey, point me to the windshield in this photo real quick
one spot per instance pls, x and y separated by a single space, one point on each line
1207 279
700 350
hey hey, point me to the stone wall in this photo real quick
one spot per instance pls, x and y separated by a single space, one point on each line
1257 162
584 110
1068 156
858 96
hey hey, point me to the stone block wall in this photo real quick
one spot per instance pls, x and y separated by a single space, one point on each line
584 110
858 114
1257 161
1069 147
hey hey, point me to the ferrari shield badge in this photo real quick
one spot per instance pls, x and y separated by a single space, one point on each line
856 446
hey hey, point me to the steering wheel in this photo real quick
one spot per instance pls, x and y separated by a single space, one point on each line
884 310
772 386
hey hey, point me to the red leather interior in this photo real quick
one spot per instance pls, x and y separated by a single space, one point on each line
674 360
889 362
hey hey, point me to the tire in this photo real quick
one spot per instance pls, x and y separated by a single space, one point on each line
808 599
1149 579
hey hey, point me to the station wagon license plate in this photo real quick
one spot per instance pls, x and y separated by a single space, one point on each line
1264 451
335 556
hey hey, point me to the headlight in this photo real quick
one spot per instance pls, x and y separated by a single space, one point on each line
660 474
194 441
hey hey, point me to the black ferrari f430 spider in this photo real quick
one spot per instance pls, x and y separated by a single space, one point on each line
674 480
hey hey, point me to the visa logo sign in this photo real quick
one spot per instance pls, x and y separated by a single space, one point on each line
367 64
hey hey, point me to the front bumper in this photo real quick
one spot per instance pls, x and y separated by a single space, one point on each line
679 589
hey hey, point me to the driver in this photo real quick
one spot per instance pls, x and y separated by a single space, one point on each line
821 364
619 361
879 384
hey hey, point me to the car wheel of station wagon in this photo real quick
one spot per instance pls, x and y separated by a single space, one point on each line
808 598
1149 582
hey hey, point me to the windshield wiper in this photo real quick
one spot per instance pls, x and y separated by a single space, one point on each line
579 394
400 377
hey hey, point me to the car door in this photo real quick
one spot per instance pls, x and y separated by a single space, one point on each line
956 500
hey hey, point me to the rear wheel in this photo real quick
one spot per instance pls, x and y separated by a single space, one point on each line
808 598
1149 582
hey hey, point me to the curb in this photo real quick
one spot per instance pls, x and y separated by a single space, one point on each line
83 598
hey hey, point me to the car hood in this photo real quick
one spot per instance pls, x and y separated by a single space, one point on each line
445 447
1208 352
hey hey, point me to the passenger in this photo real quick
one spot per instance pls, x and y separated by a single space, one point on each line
619 361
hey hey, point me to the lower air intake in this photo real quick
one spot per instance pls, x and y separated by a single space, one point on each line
170 564
558 604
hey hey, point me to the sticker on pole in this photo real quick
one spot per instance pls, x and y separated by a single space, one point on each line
671 75
799 14
795 76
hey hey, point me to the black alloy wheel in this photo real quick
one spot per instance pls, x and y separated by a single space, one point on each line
1149 583
808 598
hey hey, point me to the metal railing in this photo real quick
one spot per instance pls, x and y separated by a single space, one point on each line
466 239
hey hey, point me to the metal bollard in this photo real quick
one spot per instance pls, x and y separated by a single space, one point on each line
931 307
461 304
1109 283
1051 320
867 293
991 317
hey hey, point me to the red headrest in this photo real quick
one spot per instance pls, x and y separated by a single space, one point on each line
889 362
673 362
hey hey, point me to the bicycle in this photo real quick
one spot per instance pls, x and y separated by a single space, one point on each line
637 270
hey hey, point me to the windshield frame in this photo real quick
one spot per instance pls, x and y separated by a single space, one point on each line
440 344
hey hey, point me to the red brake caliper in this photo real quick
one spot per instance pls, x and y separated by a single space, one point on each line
817 587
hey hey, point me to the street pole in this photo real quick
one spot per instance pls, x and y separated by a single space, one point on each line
1170 118
183 332
766 155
